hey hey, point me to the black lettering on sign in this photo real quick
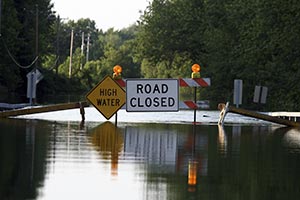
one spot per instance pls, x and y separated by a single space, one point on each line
132 104
147 88
148 102
164 102
152 102
157 89
171 101
139 103
164 88
108 92
156 102
108 102
139 88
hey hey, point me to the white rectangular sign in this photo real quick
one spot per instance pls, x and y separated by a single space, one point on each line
150 95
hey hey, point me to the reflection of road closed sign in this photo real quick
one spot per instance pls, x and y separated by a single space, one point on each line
152 95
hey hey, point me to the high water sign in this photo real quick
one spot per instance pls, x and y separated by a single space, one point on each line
107 97
150 95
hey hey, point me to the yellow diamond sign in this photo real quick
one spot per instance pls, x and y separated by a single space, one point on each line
107 97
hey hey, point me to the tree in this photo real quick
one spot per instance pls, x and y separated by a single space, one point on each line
9 72
119 49
170 29
22 39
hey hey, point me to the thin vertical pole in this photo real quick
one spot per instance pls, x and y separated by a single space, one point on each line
82 50
71 54
33 84
31 88
82 42
0 14
195 101
57 44
36 33
116 119
194 140
88 48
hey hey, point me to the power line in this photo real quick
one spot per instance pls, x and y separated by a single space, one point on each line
14 60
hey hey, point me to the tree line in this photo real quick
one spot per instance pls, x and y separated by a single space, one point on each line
256 41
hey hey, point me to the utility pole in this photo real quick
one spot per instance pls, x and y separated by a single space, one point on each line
0 15
82 42
82 49
32 76
71 54
57 44
88 47
36 34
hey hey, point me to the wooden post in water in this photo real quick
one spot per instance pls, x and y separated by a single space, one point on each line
82 112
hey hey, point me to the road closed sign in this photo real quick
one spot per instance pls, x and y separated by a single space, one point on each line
152 95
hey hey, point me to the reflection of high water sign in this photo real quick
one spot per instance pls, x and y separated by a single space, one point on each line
152 95
108 97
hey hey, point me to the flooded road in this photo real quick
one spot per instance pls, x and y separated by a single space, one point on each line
97 160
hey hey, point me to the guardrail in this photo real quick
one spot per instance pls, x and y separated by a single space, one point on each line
225 108
48 108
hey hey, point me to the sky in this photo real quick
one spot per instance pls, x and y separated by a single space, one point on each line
107 14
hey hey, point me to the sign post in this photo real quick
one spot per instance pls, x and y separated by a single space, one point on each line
107 97
238 92
260 94
195 74
33 78
152 95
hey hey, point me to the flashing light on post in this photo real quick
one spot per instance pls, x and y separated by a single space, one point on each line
196 71
117 72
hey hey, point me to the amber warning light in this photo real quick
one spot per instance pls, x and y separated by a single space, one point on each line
196 71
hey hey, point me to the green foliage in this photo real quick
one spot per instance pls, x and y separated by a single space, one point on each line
166 34
119 50
232 39
255 41
9 73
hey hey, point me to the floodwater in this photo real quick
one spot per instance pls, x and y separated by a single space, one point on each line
56 159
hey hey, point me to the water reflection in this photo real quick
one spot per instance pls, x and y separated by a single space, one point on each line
22 156
222 139
48 160
153 146
292 140
108 140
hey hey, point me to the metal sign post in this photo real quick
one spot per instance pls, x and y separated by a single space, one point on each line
260 94
33 78
238 92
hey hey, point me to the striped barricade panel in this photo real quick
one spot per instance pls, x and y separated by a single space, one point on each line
194 82
183 82
121 82
187 105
